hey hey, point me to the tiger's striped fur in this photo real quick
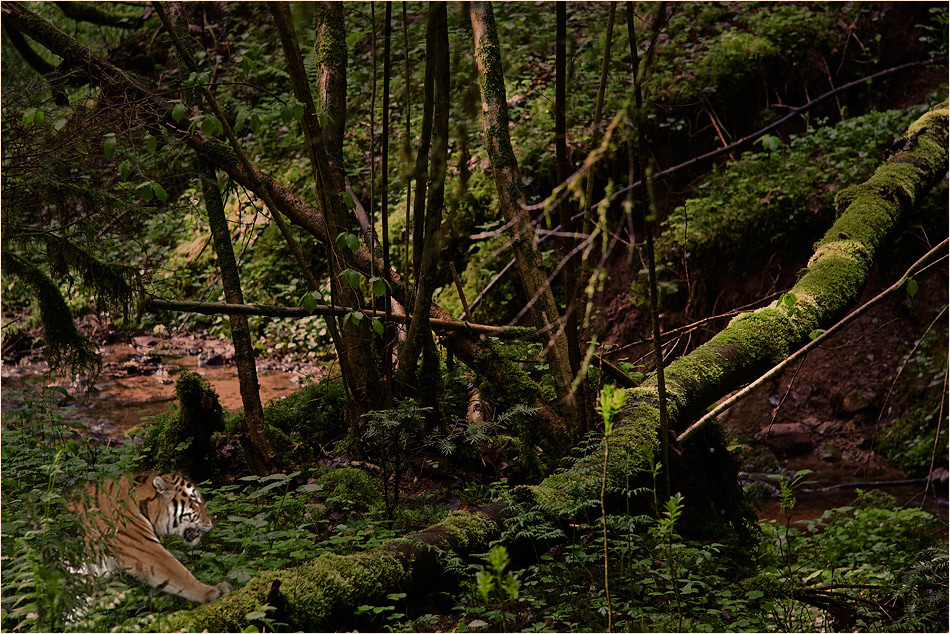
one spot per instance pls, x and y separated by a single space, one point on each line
129 517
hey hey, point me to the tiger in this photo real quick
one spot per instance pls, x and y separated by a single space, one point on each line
127 518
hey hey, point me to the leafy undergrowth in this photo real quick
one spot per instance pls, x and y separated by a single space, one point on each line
866 567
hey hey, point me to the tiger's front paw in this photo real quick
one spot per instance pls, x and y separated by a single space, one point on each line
218 591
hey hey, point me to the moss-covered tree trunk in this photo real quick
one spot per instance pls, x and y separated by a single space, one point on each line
869 214
323 594
504 165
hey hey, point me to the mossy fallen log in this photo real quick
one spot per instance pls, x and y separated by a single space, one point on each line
832 282
315 595
321 595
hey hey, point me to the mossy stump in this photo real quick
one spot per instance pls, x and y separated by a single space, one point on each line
182 441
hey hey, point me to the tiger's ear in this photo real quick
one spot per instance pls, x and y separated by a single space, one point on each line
159 484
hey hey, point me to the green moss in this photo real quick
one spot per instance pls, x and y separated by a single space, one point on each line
65 345
349 489
183 441
330 46
219 152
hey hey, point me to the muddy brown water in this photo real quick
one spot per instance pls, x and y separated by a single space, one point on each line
136 383
133 385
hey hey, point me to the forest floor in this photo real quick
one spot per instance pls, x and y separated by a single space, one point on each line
824 415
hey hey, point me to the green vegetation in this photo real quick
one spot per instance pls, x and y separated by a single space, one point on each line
463 498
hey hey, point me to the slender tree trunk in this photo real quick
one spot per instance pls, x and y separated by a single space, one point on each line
571 276
639 71
511 196
317 138
389 331
260 454
330 62
437 51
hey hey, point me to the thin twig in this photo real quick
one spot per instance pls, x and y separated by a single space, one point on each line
817 341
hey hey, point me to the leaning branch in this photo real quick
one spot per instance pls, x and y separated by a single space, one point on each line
262 310
940 250
753 342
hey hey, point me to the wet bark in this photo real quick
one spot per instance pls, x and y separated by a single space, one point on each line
513 205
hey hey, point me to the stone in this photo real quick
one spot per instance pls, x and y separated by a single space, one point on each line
787 438
854 402
829 453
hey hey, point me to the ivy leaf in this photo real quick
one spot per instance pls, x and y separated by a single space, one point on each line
178 112
911 286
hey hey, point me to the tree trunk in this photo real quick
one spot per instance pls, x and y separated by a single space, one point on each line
754 341
511 197
260 455
317 596
437 61
571 276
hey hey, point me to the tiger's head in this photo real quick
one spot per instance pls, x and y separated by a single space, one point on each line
181 509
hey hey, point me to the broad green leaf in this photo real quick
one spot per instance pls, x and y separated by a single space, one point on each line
210 125
911 286
309 302
124 168
59 124
814 334
178 112
256 123
377 326
109 147
151 143
351 278
240 120
378 285
159 192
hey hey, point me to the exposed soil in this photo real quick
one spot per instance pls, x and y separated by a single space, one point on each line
826 414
